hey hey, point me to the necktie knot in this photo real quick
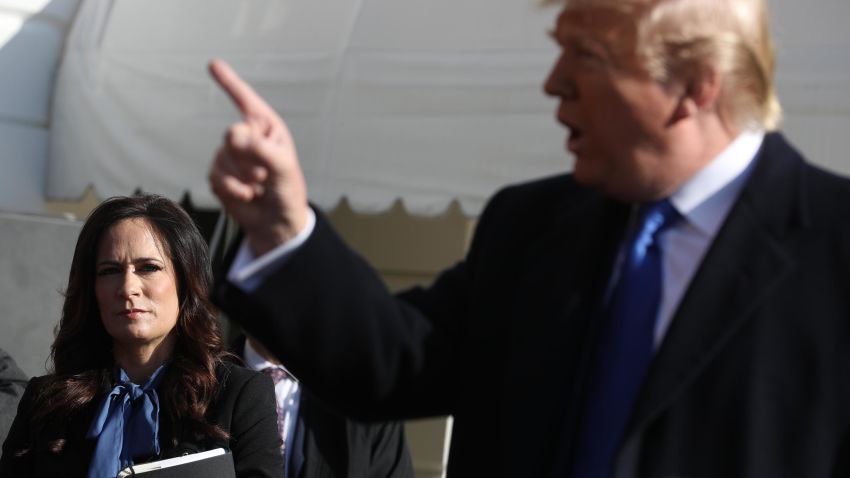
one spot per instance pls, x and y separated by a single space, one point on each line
277 374
657 216
653 218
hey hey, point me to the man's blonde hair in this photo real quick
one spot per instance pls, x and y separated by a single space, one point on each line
679 39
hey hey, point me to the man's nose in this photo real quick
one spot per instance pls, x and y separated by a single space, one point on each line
549 86
559 82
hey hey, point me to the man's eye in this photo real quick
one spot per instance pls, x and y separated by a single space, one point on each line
586 52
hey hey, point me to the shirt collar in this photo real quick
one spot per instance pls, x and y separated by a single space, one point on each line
255 361
706 198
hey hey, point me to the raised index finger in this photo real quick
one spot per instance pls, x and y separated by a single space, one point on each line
249 103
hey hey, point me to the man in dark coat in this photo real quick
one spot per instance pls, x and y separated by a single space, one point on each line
678 306
320 442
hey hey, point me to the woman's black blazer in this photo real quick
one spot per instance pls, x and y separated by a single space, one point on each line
244 407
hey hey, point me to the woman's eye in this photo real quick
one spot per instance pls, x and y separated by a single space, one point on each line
149 268
105 271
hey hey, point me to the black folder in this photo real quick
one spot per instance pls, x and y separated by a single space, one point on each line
216 463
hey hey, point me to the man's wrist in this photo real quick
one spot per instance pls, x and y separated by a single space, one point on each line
270 236
249 270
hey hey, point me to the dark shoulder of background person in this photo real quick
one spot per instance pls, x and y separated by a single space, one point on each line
13 382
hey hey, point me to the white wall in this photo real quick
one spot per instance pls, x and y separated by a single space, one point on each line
813 77
35 262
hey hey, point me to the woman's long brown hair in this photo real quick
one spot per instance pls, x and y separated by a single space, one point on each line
82 359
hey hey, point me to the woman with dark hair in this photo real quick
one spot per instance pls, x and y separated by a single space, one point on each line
138 371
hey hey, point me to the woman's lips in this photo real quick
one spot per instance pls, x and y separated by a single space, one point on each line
132 314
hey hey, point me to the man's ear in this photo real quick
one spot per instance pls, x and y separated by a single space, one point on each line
700 93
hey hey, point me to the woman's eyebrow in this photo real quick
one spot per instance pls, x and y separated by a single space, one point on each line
148 259
140 259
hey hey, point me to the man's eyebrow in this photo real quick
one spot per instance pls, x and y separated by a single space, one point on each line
558 36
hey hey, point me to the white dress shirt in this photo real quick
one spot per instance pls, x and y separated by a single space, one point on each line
285 391
248 272
255 361
704 201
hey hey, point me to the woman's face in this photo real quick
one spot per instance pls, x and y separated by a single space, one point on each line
135 285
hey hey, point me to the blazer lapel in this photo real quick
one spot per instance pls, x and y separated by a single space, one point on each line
747 259
75 458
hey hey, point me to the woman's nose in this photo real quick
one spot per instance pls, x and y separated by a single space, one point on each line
130 285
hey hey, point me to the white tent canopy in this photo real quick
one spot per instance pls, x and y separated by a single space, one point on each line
426 101
32 33
423 100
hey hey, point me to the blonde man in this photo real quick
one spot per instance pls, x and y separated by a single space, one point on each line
675 307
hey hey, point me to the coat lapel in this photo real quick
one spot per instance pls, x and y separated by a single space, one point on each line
748 258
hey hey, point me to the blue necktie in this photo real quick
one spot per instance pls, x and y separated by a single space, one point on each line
625 346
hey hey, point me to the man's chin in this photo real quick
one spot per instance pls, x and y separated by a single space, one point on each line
587 177
605 187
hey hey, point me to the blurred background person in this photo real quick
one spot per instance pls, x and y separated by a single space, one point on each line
319 442
12 385
137 365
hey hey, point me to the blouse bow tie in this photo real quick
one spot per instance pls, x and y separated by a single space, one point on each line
126 425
